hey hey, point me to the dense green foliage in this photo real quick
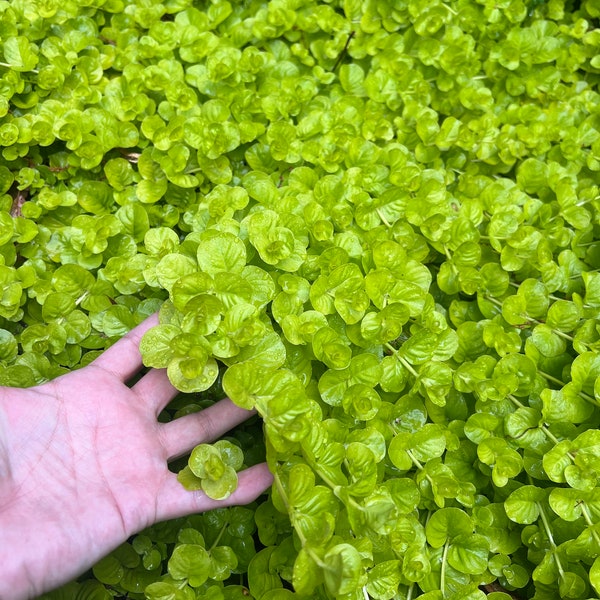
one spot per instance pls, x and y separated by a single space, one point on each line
376 221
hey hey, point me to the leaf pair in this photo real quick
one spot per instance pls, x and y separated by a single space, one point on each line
212 468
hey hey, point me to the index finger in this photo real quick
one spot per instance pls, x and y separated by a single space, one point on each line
123 358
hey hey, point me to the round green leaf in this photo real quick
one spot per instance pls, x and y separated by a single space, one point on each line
221 251
342 569
469 553
446 524
522 505
191 562
191 374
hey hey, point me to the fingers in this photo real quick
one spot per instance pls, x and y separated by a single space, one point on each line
181 435
123 359
155 389
175 501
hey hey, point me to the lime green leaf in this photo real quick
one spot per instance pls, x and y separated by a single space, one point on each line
383 580
469 553
522 505
192 374
160 241
595 575
220 488
8 346
559 407
188 479
331 349
156 345
342 569
306 575
20 53
109 570
162 590
231 454
191 562
447 524
221 251
361 401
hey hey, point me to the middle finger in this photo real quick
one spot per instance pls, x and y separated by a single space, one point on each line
181 435
154 388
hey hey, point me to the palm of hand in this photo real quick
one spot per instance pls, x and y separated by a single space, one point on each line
84 465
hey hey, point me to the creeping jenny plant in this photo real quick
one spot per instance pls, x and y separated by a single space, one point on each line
376 222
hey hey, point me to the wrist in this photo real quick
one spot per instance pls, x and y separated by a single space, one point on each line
5 471
15 583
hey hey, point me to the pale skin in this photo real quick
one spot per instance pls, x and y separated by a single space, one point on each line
83 466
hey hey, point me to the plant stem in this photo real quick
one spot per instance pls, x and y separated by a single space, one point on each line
443 569
588 519
559 566
383 219
286 502
447 252
533 321
415 461
82 298
558 332
553 438
516 402
3 64
214 544
562 384
404 362
343 52
586 514
518 285
543 427
546 525
551 378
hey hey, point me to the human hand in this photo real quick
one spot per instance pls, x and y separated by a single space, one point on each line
83 466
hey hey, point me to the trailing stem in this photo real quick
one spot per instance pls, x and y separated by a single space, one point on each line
316 558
